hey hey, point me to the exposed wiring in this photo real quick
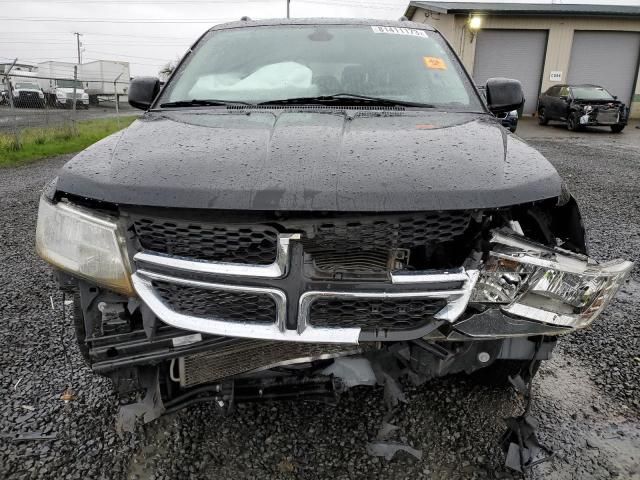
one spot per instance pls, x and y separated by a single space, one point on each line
171 371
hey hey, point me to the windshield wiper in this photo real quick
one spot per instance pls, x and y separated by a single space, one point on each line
199 103
342 98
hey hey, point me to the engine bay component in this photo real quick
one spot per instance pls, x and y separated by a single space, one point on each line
248 355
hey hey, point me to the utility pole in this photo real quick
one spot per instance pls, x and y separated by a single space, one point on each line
16 132
288 2
75 82
78 35
115 91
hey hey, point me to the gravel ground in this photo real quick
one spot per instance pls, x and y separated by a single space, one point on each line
586 398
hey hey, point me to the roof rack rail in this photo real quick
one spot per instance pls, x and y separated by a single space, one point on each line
245 19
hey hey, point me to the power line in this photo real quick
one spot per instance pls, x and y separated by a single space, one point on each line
122 44
48 34
144 2
114 21
129 56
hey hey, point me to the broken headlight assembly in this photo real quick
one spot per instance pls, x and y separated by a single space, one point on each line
552 286
83 244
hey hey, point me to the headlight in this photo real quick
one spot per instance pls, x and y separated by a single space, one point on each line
83 244
588 108
61 95
85 96
553 286
41 95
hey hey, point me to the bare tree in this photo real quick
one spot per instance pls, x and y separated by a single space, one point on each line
166 71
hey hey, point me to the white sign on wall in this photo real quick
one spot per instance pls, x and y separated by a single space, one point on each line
555 76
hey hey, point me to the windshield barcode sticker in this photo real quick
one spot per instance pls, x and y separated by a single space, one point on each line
399 31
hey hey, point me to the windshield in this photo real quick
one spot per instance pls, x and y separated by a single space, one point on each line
26 85
68 83
591 93
261 64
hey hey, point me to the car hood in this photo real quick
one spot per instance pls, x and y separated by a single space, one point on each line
312 160
598 102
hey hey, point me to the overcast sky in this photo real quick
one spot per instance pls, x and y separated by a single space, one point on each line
148 33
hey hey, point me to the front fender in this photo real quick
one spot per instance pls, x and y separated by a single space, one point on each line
567 224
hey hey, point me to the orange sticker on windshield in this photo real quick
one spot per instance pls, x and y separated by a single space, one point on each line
434 63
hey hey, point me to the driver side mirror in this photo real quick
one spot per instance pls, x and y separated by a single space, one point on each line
142 92
504 95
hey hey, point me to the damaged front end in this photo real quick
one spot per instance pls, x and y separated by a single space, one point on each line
180 307
600 113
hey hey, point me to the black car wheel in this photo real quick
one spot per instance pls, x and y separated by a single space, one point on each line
617 128
542 117
572 123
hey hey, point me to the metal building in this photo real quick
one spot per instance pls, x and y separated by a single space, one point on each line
543 44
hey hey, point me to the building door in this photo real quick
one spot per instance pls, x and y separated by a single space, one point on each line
515 54
607 59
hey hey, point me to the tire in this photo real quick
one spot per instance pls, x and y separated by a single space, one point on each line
497 374
542 118
572 123
617 128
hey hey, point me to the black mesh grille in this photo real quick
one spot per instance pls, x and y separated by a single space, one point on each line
223 305
346 243
389 314
399 232
254 244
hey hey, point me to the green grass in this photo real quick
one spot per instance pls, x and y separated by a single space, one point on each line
37 143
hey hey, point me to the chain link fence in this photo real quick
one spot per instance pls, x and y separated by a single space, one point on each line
32 103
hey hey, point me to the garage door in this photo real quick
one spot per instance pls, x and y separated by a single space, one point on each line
608 59
515 54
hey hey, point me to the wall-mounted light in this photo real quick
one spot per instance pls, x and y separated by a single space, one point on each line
474 24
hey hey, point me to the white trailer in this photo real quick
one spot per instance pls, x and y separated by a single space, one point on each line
105 77
57 82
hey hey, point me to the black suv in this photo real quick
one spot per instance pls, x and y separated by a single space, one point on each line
311 204
582 105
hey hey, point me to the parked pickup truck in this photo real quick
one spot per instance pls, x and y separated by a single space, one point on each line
311 204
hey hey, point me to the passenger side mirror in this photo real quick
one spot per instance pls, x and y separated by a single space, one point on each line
504 95
142 92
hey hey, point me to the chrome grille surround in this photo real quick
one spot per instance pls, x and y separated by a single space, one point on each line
234 306
277 269
454 287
